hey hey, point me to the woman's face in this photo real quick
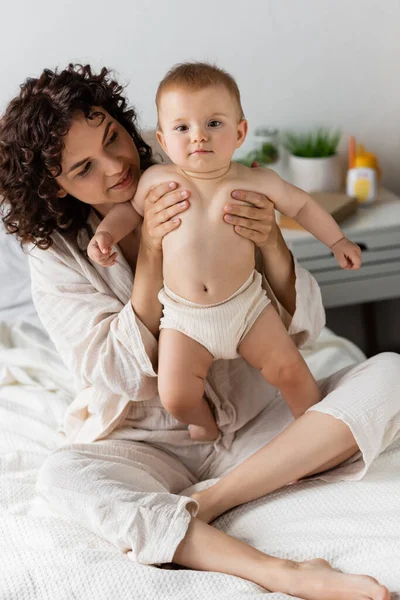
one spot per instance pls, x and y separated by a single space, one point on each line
100 162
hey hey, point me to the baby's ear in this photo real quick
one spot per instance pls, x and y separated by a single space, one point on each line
161 140
242 129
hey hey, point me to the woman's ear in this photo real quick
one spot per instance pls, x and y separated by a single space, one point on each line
161 140
242 129
61 193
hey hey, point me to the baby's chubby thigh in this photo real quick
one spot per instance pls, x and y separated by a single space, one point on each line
268 347
182 368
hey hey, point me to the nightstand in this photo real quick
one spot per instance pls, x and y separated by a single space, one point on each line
376 229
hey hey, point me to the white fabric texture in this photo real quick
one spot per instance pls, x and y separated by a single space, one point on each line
127 492
87 311
220 327
355 524
15 287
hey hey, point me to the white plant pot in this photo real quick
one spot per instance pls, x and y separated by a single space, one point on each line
316 174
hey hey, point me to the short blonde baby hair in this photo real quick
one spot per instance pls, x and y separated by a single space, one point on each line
196 76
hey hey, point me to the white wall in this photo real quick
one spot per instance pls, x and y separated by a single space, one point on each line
299 63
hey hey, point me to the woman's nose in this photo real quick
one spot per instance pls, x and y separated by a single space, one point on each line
113 165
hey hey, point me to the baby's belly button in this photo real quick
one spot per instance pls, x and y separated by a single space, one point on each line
206 290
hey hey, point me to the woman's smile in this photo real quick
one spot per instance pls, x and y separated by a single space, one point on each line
124 181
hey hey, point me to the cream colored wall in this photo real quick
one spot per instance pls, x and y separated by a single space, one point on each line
299 63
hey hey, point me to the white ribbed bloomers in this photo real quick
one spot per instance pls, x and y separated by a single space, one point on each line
219 327
127 488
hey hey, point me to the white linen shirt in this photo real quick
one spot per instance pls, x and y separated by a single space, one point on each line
87 311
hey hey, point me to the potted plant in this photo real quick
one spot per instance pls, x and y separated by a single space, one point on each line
314 165
266 152
266 155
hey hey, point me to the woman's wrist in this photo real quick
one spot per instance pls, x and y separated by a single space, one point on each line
279 270
147 283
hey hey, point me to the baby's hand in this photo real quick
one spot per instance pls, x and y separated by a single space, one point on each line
347 254
100 249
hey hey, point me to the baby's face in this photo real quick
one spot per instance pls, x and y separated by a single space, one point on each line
200 130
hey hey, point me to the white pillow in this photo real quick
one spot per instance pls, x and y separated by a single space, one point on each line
15 284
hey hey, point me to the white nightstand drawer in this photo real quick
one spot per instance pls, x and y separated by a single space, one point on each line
369 257
358 291
378 278
376 229
312 248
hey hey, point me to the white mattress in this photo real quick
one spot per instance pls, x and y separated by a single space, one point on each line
355 525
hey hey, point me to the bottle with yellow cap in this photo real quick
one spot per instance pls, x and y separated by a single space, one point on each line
363 175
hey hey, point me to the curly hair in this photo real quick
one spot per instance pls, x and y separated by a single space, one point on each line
31 143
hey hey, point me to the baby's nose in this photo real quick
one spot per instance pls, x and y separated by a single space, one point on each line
199 134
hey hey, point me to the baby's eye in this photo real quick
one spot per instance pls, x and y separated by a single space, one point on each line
214 123
181 128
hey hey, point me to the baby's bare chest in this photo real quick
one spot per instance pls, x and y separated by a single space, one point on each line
203 229
209 204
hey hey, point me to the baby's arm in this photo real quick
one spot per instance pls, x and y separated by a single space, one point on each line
122 219
119 221
293 202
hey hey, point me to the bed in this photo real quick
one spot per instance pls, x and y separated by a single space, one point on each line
354 525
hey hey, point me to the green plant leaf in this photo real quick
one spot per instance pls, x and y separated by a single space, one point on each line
319 144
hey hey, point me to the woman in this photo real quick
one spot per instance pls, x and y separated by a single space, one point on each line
69 150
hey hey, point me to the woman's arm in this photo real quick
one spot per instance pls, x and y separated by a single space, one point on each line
279 269
93 327
161 209
148 282
257 223
294 290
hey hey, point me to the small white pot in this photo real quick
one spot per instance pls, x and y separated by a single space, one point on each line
316 174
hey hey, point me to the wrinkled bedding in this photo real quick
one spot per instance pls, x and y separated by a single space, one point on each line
354 525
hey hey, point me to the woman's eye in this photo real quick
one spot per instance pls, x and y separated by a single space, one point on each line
214 123
85 170
181 128
113 137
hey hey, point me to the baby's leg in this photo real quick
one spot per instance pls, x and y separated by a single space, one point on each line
268 347
183 364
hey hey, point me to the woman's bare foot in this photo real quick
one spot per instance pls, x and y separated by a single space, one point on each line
311 580
206 548
316 580
203 434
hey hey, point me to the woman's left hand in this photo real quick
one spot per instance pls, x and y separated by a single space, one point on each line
257 222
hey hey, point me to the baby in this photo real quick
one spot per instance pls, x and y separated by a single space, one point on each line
214 305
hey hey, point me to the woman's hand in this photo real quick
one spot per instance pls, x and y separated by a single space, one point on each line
257 222
162 206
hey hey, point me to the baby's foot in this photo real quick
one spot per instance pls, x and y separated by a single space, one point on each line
203 434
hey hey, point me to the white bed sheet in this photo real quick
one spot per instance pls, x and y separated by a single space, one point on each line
354 525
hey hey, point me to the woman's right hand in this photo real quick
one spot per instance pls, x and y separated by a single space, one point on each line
162 206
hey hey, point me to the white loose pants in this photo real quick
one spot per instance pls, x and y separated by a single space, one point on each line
129 491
